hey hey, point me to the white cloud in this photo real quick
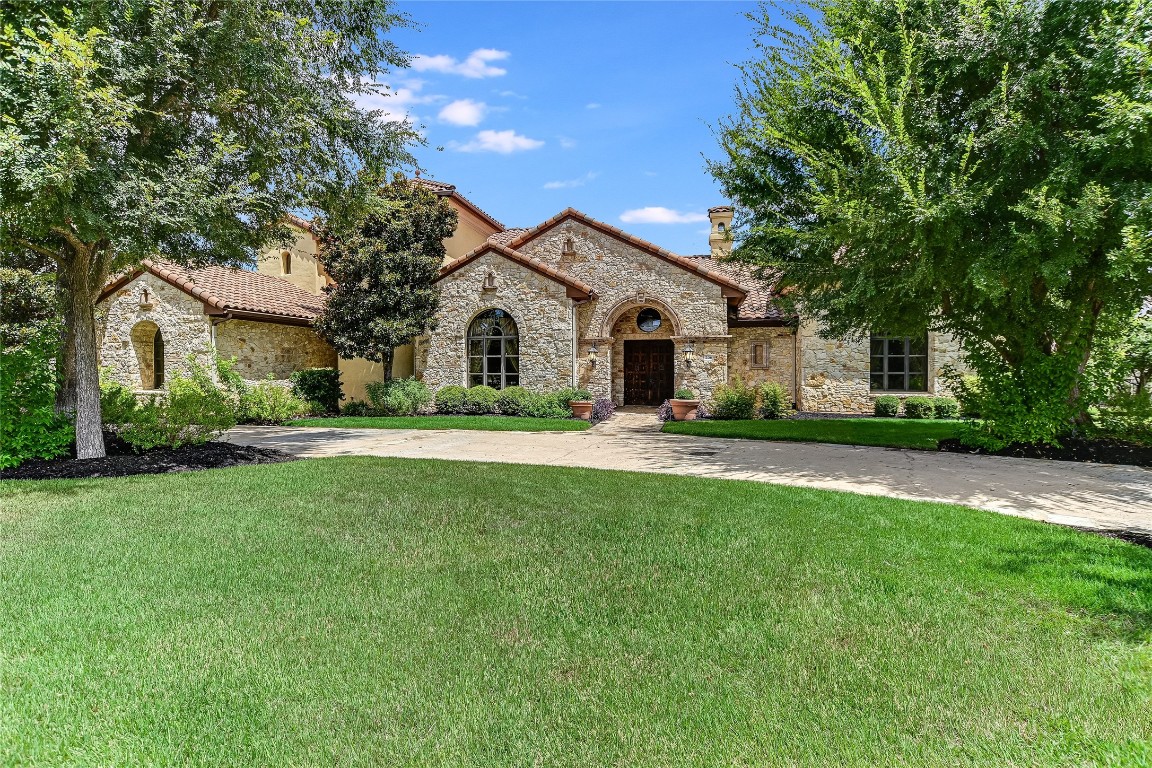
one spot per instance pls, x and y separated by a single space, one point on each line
476 65
569 183
464 112
566 143
511 95
396 102
593 105
504 142
660 215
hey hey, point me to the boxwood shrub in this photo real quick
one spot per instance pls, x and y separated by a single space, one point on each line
945 408
733 401
887 406
320 385
919 407
480 400
450 399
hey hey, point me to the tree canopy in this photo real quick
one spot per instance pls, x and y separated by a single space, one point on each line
978 167
136 129
384 270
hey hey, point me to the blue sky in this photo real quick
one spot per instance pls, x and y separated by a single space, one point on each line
530 107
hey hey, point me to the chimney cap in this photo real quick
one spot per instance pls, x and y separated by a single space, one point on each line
720 209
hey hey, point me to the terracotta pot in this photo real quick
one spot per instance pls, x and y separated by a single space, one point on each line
684 410
581 409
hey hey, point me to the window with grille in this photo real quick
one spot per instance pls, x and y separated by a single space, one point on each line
493 350
899 363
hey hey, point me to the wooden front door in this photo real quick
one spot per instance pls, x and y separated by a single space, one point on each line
648 371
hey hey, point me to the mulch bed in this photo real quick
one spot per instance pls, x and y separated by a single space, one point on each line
122 461
1072 449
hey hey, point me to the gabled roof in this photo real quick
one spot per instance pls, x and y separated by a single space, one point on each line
449 190
759 306
577 289
730 286
230 291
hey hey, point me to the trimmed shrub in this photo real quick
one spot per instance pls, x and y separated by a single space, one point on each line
602 410
546 407
733 401
321 385
356 408
450 399
773 401
194 411
511 401
398 397
684 394
480 400
919 407
968 392
887 406
270 403
945 408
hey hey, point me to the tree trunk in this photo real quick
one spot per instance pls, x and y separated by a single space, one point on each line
386 356
79 277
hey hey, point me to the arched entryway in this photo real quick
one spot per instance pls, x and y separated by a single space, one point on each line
644 359
148 343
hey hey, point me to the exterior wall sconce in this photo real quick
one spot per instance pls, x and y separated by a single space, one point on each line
689 354
592 354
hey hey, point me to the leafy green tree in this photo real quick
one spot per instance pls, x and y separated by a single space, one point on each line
384 270
136 129
1138 353
978 167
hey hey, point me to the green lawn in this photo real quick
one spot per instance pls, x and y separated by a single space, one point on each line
896 433
485 423
363 611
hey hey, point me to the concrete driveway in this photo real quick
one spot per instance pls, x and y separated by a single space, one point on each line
1098 496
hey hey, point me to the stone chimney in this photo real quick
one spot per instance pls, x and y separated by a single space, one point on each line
720 236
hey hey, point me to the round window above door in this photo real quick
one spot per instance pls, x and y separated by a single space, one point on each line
648 320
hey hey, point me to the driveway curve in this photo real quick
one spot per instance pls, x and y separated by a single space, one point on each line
1103 497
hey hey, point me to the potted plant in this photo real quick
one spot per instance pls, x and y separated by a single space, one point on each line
581 405
684 405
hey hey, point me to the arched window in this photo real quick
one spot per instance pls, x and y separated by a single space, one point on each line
158 360
493 350
286 263
721 228
148 343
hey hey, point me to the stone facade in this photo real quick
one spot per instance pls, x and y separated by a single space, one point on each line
834 372
264 350
781 367
147 304
540 306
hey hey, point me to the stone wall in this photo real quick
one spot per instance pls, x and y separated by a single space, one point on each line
539 305
781 356
627 278
149 300
270 349
834 372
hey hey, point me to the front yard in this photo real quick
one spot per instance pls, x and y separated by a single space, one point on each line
923 434
364 611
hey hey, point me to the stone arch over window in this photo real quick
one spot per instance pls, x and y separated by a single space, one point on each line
493 350
721 228
666 312
285 263
148 343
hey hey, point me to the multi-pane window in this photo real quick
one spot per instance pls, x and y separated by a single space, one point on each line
899 363
493 350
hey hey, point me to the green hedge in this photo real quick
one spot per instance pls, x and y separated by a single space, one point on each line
319 385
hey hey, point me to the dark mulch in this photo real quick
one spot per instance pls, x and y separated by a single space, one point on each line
122 461
1100 451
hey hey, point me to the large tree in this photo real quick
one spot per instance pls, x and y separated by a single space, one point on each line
384 268
980 167
134 129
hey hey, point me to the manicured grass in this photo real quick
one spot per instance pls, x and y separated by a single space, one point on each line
484 423
895 433
364 611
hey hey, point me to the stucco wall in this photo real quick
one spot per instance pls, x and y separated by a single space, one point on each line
471 232
180 318
538 304
834 372
781 356
269 349
356 374
307 273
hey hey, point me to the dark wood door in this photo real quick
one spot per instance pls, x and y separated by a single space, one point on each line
648 372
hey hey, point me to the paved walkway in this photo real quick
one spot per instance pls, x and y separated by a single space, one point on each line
1099 496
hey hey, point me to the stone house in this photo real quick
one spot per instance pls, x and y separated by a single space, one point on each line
569 302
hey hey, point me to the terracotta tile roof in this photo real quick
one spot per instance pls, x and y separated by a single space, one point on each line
226 289
304 224
759 304
576 288
507 236
720 209
449 190
680 261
